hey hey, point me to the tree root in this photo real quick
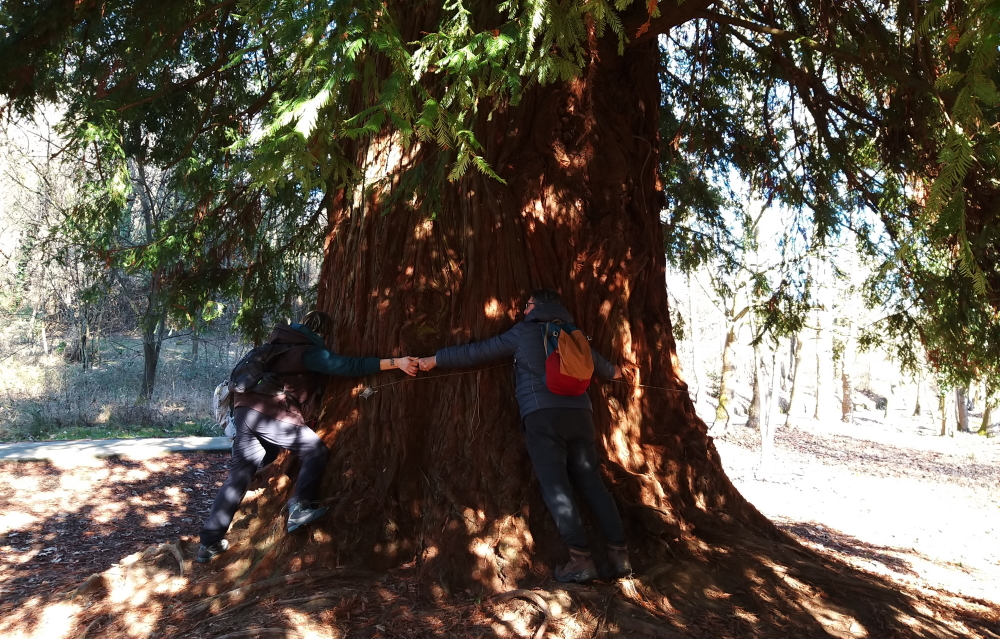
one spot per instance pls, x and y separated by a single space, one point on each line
627 619
259 633
94 582
330 594
239 595
532 597
93 624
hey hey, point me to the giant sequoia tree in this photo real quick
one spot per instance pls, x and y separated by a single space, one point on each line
463 153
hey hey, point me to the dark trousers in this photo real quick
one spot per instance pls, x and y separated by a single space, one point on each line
258 441
560 443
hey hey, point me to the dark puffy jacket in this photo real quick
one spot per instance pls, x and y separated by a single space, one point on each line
524 343
301 369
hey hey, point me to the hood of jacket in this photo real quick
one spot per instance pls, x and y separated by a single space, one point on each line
548 312
294 334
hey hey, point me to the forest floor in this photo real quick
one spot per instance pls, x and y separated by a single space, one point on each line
890 500
893 499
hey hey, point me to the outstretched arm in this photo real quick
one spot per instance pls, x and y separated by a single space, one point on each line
603 367
477 353
405 363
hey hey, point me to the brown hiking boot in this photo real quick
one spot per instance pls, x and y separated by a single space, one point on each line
580 568
620 564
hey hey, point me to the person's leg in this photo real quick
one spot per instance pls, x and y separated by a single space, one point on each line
548 457
583 466
307 445
247 456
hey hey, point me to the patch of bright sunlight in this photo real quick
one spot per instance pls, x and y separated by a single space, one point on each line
156 519
56 621
307 628
15 521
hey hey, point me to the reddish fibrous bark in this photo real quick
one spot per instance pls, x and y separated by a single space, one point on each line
433 469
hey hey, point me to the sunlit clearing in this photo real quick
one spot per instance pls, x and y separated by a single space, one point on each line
492 308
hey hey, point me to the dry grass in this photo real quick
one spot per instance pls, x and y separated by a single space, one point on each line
49 397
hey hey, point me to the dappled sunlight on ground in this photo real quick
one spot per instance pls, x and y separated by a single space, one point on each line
60 525
869 510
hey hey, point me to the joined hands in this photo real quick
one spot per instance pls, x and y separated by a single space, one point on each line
407 364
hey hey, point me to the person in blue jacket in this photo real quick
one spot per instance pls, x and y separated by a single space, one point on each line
559 433
266 424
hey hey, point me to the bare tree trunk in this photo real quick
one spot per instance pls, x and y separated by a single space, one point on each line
770 381
694 343
846 382
796 361
988 405
920 382
946 413
84 339
847 396
755 409
824 363
961 409
722 410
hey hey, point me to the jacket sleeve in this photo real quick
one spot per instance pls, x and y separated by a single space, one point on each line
325 361
602 367
476 353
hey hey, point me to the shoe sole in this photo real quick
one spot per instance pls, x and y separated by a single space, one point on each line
319 512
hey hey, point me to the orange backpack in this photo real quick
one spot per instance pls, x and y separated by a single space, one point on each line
568 363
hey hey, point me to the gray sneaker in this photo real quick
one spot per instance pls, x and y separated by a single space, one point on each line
208 553
301 513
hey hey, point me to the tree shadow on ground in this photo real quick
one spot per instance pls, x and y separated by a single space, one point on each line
60 525
719 580
843 543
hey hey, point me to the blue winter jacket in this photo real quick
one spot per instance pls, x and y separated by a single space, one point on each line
524 342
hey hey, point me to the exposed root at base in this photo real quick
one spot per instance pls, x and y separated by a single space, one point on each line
534 598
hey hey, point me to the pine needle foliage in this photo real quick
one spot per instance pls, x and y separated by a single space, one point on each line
870 118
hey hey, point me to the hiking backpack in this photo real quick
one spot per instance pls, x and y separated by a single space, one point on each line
222 408
252 373
568 363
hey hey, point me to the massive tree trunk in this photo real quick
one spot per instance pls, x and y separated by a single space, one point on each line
433 470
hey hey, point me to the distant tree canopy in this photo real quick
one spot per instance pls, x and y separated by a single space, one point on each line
873 119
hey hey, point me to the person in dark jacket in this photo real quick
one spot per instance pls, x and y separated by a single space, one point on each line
266 424
559 433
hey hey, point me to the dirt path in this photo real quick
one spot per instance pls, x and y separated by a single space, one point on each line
893 500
